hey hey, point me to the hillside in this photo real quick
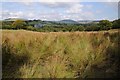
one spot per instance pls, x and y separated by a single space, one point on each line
28 54
68 21
14 19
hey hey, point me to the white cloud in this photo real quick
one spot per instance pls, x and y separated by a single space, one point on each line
88 15
89 6
30 15
80 16
76 8
50 16
73 11
17 14
60 1
27 2
112 4
56 4
98 11
77 12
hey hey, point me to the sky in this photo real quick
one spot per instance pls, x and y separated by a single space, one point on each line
51 11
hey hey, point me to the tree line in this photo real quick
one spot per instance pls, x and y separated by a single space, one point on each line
56 27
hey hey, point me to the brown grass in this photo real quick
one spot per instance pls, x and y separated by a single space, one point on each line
28 54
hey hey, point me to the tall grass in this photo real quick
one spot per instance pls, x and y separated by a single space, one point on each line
28 54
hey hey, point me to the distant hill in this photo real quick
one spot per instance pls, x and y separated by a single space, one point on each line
87 21
14 19
68 21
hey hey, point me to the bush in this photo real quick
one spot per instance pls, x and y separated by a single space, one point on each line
19 24
105 25
116 24
30 28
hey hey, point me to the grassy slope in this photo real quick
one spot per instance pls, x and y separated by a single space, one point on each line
28 54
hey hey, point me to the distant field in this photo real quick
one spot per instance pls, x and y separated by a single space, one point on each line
28 54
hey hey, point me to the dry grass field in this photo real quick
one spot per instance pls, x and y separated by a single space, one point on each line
28 54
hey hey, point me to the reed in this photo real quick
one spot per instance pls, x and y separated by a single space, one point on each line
28 54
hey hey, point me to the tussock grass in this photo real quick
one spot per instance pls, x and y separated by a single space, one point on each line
28 54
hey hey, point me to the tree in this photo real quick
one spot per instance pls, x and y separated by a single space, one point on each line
105 25
116 24
6 24
30 28
19 24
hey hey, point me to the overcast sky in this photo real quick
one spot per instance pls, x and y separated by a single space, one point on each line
60 10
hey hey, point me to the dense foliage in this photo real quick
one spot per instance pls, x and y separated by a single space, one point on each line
50 26
105 24
19 24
